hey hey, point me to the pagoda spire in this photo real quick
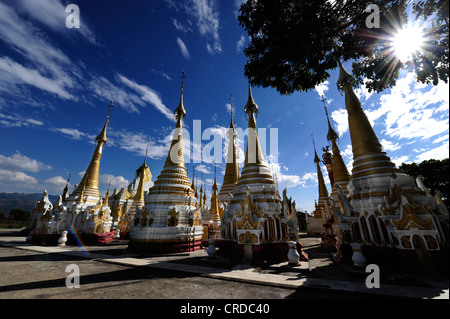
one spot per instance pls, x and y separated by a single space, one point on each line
144 176
231 176
323 191
175 156
254 154
89 183
215 214
364 140
341 175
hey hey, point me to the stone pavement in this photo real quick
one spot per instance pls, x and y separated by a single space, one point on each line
319 274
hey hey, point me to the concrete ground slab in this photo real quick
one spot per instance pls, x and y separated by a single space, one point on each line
319 274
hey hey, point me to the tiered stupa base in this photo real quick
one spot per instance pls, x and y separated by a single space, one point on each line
79 239
165 239
264 254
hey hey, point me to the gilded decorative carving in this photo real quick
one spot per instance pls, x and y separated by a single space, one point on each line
406 241
247 222
248 238
173 219
410 220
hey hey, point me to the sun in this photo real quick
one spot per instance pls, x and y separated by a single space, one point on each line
406 42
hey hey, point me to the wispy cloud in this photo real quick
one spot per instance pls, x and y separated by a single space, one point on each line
14 120
46 68
53 14
240 44
205 15
148 95
22 75
74 133
181 27
106 90
184 50
163 74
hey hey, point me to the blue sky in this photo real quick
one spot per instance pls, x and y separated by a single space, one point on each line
56 83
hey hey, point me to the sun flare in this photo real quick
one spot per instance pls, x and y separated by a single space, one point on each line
407 42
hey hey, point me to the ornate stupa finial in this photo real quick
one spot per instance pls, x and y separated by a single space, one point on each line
175 156
323 191
251 109
316 157
102 135
215 181
180 112
231 111
331 132
344 77
193 178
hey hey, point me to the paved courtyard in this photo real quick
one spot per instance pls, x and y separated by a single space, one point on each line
112 272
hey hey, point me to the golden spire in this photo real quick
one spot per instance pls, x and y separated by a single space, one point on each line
89 183
176 148
102 135
364 140
105 203
340 171
215 213
251 109
331 132
144 176
254 154
323 191
231 176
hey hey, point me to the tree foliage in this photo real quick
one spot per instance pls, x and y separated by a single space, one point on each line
295 43
435 175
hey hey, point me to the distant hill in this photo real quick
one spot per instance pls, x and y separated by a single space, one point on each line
22 201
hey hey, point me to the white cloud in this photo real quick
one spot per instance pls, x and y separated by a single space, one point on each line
389 146
207 22
74 133
105 90
46 67
148 95
163 74
14 120
340 117
184 50
116 181
22 75
21 162
240 44
13 181
322 88
181 27
53 14
284 180
206 17
438 153
414 110
54 184
399 160
203 169
137 143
